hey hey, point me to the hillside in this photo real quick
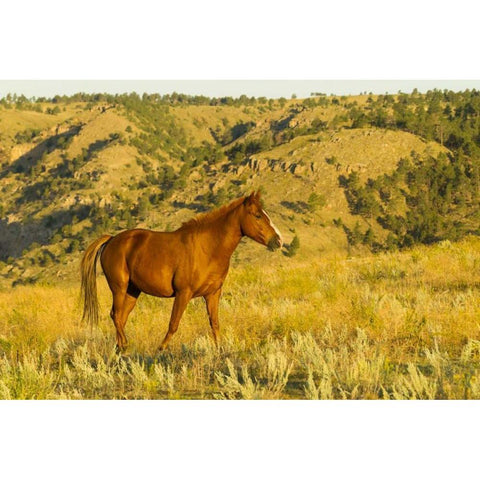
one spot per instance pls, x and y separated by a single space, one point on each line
73 168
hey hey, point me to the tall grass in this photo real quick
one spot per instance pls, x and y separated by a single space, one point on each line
390 326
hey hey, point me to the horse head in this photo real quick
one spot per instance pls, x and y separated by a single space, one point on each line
256 224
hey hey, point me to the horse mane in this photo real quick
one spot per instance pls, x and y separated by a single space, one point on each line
208 217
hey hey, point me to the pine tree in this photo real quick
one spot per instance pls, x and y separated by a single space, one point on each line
369 237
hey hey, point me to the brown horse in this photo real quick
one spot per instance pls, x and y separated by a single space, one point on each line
190 262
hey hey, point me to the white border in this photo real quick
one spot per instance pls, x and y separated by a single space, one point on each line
252 39
239 439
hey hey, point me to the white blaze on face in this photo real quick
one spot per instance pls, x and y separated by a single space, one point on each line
277 231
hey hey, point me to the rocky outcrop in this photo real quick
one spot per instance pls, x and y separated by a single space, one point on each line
297 167
273 165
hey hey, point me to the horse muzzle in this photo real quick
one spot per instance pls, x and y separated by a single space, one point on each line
275 242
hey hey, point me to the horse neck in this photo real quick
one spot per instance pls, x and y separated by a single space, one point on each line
226 233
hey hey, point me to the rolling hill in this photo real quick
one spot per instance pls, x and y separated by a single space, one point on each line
73 168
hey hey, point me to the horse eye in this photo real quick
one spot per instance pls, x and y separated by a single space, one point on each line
258 216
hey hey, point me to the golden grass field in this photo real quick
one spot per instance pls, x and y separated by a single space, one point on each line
401 325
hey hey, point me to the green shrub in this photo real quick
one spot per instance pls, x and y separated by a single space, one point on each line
292 249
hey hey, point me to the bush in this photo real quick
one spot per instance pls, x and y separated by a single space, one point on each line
292 249
316 201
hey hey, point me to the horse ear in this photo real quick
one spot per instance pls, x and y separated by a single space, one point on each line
258 194
250 198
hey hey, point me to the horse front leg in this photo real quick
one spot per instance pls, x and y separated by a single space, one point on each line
212 301
179 305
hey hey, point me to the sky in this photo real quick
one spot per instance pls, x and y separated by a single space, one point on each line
233 88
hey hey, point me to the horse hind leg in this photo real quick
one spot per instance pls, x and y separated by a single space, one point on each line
123 303
116 315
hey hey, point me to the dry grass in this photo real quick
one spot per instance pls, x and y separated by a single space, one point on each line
397 326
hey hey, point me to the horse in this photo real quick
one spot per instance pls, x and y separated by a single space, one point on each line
192 261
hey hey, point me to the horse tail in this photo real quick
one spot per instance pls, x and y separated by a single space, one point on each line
88 270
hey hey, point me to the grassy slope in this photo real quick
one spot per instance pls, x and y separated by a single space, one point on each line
383 326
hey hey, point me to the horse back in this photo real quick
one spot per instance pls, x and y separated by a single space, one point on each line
144 258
